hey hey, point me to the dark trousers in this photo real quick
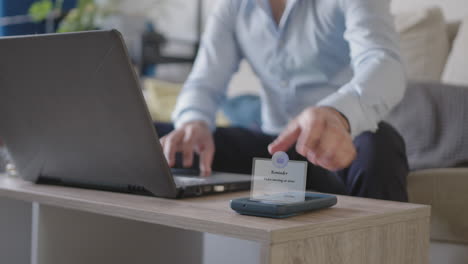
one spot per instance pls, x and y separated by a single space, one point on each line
379 170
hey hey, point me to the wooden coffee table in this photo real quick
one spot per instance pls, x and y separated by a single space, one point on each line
356 230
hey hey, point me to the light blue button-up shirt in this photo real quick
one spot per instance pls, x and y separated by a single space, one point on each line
338 53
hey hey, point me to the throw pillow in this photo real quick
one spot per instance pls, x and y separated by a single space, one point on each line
456 71
161 98
424 43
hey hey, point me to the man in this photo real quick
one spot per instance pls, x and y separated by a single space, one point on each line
330 70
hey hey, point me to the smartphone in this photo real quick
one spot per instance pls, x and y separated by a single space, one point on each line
313 201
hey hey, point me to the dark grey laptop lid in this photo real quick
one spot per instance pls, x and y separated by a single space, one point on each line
71 108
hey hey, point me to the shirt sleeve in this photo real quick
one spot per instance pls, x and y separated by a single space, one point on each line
217 60
379 80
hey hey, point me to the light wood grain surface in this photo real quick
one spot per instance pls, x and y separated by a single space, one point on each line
212 214
397 243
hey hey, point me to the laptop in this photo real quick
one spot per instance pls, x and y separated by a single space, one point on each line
72 113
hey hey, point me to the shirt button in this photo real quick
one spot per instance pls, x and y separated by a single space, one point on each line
284 84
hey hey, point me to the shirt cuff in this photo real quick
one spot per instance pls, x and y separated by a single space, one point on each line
347 102
192 115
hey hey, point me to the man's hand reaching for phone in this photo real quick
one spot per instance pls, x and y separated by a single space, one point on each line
321 135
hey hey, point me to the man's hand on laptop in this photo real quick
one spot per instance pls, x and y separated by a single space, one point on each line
321 135
191 137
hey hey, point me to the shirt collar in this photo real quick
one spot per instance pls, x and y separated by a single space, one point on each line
265 5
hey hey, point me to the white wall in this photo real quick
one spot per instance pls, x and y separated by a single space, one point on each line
179 20
175 18
453 9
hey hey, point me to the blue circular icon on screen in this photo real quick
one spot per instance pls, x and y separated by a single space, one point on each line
280 160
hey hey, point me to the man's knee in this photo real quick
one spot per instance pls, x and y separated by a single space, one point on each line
385 148
381 165
163 128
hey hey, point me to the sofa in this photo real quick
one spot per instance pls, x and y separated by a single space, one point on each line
433 50
443 58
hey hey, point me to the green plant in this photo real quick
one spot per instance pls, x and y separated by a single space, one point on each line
80 18
87 13
40 10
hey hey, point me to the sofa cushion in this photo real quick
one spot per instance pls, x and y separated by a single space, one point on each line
456 71
446 191
452 31
424 43
433 120
161 98
244 82
244 111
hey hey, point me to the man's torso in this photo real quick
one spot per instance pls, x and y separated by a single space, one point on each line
305 50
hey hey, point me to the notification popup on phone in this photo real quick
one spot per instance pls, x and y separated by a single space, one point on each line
278 180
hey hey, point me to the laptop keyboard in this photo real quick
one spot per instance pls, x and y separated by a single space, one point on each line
184 181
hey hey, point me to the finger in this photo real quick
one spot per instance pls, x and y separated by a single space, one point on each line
312 158
162 141
187 149
172 145
310 137
329 144
206 159
345 157
333 152
342 160
330 164
286 139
